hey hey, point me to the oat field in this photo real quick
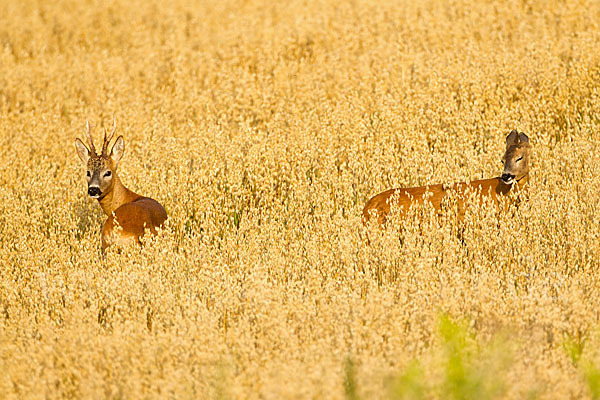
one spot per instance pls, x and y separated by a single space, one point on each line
263 127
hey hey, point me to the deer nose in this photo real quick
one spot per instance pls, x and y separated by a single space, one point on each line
508 177
94 191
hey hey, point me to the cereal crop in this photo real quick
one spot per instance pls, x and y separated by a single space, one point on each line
263 128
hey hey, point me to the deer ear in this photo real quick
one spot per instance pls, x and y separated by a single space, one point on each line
512 138
523 138
82 151
117 150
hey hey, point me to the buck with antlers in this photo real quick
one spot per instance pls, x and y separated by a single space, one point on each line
130 211
515 175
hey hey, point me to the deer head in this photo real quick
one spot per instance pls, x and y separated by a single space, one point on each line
101 168
516 157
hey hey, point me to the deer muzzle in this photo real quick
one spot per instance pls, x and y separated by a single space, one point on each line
508 178
94 191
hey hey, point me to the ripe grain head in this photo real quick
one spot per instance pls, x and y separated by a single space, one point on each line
263 128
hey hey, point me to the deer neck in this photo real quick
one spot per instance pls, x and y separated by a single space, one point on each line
117 196
523 181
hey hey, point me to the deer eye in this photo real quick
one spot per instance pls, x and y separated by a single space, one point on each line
519 159
88 174
107 174
502 161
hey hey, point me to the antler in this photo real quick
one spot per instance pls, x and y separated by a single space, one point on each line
92 147
107 141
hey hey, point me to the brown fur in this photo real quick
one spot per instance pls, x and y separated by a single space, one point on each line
132 213
516 159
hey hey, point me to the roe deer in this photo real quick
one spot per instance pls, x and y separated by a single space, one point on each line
515 174
132 212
